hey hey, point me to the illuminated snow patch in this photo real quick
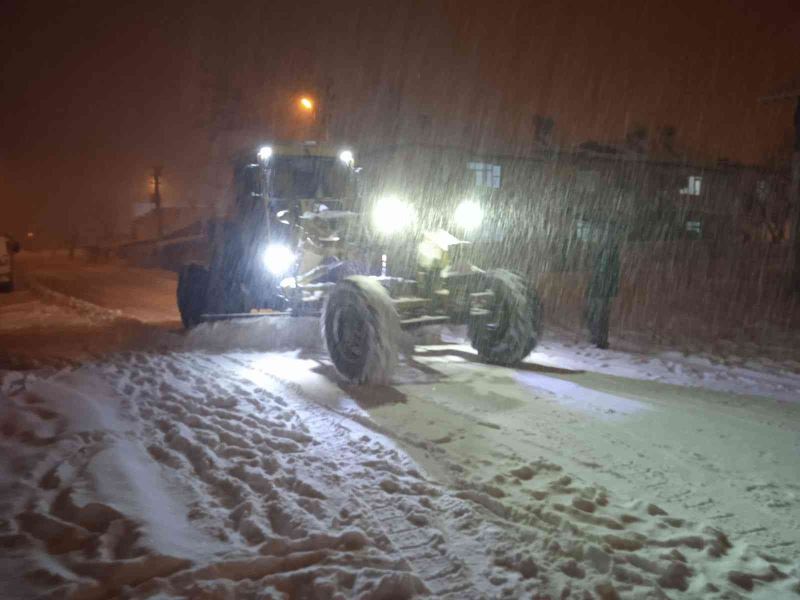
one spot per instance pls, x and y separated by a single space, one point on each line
577 397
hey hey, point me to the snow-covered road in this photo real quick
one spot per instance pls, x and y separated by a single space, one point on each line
226 463
147 295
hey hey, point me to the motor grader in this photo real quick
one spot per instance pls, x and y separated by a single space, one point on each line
305 239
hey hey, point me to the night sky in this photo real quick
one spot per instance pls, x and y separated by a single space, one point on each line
94 93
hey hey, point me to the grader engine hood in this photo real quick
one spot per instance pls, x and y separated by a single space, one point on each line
434 247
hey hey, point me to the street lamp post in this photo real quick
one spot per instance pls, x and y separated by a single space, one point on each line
157 170
317 111
306 104
307 107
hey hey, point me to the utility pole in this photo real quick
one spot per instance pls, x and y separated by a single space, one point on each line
315 113
794 199
793 93
326 108
157 170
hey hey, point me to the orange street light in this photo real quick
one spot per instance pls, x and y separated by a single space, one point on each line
306 103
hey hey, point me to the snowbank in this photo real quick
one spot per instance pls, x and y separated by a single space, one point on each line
29 312
177 476
92 311
739 369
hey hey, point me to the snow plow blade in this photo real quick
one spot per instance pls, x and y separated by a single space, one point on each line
209 318
418 322
413 323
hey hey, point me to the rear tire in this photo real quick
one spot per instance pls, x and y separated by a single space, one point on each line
192 292
513 327
361 329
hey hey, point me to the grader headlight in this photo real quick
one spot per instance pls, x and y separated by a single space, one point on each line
278 259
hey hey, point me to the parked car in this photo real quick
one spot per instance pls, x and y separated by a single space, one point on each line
8 248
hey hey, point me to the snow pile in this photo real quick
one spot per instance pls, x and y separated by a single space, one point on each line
34 333
739 369
734 368
177 476
87 309
29 313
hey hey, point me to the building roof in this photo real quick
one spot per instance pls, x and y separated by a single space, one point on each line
592 150
790 89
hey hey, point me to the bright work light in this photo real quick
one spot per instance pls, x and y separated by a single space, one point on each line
264 153
392 215
346 156
468 215
278 259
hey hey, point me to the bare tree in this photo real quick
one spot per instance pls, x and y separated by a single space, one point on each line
543 131
767 209
636 139
792 92
667 137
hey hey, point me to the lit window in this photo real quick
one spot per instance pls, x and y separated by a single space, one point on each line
584 231
694 227
486 175
762 189
693 186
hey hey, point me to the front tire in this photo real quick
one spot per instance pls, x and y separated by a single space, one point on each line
513 326
192 294
361 329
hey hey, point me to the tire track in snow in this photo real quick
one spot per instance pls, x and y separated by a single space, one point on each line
583 532
269 471
403 505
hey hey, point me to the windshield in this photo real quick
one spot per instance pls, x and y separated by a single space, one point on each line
309 177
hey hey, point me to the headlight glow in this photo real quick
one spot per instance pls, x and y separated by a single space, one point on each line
264 153
391 215
278 259
428 253
346 156
468 214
